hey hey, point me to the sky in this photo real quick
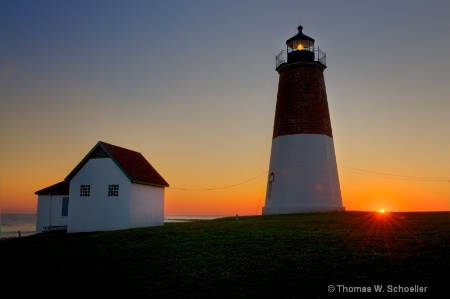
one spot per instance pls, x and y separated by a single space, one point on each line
192 86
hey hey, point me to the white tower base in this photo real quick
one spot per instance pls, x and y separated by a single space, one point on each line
303 175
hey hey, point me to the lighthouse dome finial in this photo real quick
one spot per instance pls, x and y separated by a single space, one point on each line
300 28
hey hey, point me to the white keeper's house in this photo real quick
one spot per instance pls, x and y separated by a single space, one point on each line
112 188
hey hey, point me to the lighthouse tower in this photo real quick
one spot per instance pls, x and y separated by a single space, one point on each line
302 174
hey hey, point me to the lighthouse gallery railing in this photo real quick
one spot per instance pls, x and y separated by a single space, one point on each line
319 56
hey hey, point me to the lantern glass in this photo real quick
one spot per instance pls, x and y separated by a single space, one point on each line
301 44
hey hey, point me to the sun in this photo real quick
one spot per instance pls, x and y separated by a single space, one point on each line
381 211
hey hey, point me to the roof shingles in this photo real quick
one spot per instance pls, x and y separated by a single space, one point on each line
61 188
132 163
135 165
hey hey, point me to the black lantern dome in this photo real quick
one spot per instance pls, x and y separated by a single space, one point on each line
300 47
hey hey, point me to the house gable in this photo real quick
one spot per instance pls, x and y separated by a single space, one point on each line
131 163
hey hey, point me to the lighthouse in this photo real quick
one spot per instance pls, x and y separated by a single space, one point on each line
303 174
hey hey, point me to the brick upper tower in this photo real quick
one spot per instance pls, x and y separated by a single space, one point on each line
303 173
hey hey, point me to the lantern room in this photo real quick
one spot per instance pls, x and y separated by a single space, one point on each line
300 47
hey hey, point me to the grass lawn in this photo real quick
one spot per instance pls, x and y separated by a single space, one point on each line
282 256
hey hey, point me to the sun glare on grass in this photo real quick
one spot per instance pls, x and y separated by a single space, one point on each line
380 232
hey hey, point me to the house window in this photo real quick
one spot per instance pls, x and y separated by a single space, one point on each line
113 190
65 207
85 190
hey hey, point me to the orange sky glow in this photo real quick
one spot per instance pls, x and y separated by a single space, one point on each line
249 197
192 86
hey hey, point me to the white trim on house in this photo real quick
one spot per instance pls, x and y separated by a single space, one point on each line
135 200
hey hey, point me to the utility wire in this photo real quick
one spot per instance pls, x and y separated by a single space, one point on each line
224 187
351 169
368 172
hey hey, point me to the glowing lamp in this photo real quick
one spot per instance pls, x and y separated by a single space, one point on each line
300 47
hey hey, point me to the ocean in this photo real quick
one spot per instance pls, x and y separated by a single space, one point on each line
21 225
11 225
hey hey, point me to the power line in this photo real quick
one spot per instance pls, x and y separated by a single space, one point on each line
224 187
405 177
351 169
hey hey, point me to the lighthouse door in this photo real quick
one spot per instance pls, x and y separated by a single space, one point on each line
269 185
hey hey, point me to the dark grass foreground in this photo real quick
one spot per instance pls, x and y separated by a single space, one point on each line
284 256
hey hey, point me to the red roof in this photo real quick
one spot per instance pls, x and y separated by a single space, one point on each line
61 188
132 163
135 165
